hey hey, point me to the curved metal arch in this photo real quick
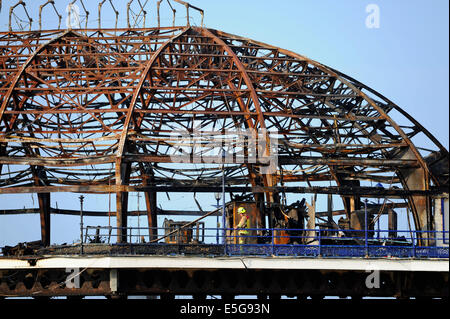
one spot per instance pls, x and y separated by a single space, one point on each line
268 179
156 55
420 206
400 110
346 84
123 171
24 67
241 68
39 175
26 64
138 90
351 86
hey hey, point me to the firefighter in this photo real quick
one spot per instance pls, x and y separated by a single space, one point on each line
243 226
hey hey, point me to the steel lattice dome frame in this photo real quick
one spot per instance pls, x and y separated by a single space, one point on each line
91 111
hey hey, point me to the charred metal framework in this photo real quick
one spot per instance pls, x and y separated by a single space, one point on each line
91 111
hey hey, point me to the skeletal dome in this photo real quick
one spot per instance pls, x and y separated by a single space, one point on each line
95 99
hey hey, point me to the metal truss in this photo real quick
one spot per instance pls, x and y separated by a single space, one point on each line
92 111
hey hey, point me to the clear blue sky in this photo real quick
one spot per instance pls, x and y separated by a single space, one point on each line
406 60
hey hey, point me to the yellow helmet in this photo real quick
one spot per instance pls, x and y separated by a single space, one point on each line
241 210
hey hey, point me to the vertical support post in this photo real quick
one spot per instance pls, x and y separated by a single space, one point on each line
418 179
392 223
81 224
100 14
218 219
151 198
366 234
187 15
223 202
320 242
158 7
122 217
260 205
378 229
217 222
174 17
122 178
139 217
44 205
128 13
441 220
352 204
273 241
330 210
2 153
44 212
438 220
311 225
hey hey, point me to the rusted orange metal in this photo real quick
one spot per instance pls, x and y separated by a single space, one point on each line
75 103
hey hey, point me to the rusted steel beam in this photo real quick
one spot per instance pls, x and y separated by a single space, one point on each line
59 211
268 180
12 212
124 136
61 162
122 178
138 89
23 68
45 215
403 112
40 180
281 160
372 192
151 198
358 91
109 32
345 191
346 161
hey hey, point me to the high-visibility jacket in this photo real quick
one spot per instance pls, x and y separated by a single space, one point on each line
243 225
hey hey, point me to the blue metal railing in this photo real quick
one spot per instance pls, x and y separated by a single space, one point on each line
326 243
